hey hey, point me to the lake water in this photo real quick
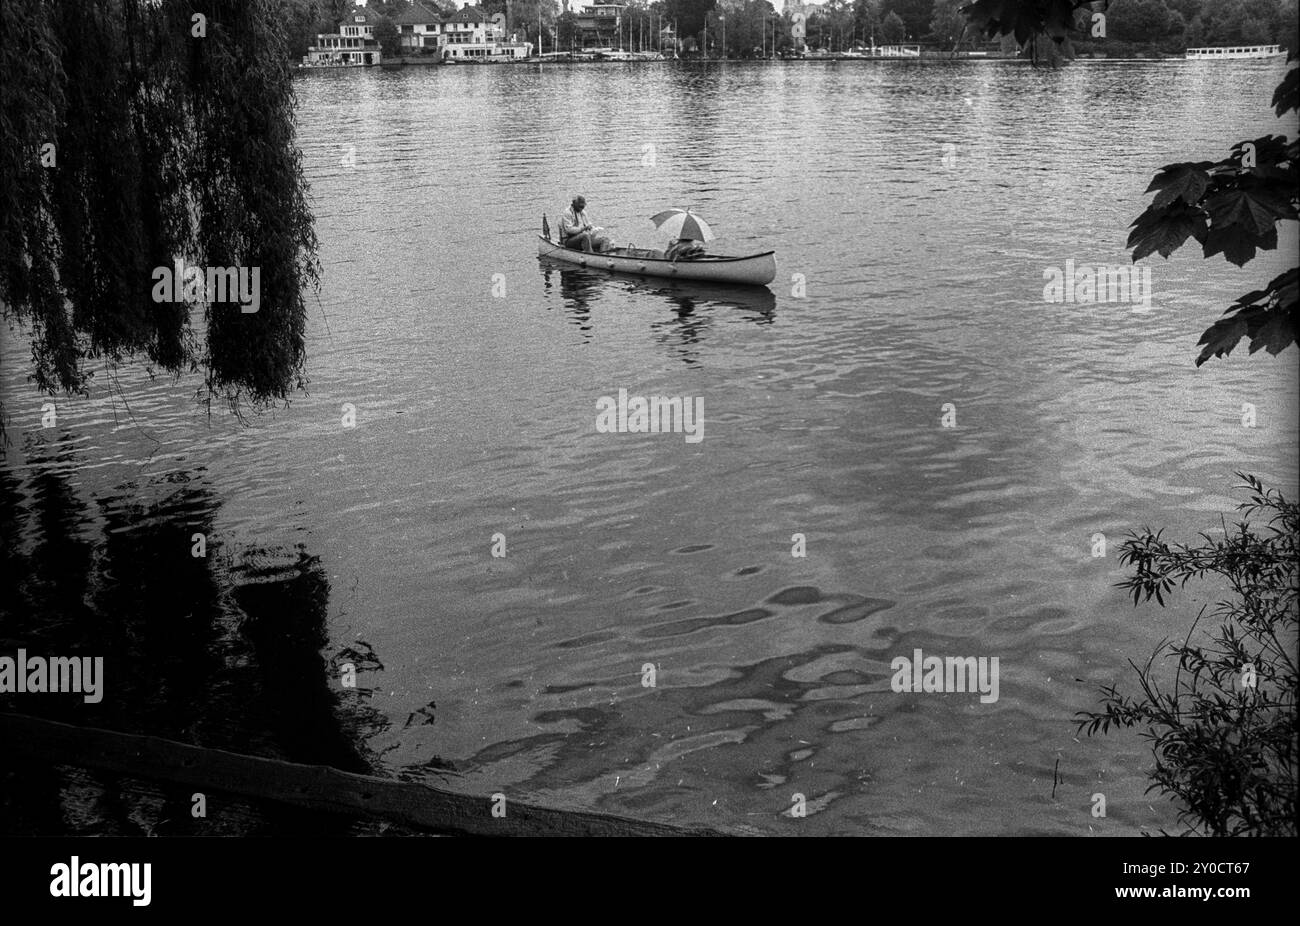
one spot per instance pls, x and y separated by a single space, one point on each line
910 276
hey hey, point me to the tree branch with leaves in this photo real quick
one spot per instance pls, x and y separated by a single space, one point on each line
1224 731
1233 207
137 133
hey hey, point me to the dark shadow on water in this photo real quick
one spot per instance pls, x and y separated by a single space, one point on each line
696 306
693 305
577 288
753 303
222 650
683 332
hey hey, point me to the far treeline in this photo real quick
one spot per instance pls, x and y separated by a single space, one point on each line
1133 28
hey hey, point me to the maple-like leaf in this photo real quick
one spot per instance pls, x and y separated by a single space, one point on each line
1276 333
1269 176
1221 337
1165 230
1237 247
1187 182
1267 149
1286 98
1270 317
1255 211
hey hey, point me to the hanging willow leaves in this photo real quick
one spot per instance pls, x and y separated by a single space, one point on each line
136 133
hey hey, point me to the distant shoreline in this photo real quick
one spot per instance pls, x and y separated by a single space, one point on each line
927 57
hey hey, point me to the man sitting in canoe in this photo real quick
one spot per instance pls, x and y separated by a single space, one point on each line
577 232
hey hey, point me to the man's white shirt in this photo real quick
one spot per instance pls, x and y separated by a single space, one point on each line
572 223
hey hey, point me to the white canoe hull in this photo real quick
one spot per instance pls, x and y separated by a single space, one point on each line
753 270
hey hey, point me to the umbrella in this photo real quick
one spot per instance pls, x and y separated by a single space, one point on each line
683 223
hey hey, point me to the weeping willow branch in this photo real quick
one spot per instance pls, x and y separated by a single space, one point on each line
136 133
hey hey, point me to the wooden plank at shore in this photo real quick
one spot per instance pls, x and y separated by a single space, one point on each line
315 787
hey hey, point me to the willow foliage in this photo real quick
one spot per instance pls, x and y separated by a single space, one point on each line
172 133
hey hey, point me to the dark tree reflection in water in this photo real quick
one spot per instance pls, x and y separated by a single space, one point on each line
221 650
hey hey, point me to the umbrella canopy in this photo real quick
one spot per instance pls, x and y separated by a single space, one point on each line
683 223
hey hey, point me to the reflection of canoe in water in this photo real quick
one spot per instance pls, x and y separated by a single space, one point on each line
755 269
688 295
582 287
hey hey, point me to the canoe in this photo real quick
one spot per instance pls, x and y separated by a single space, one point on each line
578 286
752 270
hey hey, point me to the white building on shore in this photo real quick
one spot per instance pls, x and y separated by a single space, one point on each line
420 28
353 45
463 35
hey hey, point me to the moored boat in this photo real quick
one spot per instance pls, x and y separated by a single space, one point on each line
1234 51
752 269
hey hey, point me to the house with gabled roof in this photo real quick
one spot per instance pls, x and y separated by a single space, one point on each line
470 35
471 26
354 45
419 29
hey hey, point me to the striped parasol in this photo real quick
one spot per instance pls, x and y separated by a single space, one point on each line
683 223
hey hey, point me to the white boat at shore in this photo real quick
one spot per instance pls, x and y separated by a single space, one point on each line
618 54
1234 51
884 51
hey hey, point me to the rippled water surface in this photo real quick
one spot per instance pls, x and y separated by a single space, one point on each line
921 285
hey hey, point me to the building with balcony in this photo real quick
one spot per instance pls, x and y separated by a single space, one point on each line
598 24
353 45
419 29
467 34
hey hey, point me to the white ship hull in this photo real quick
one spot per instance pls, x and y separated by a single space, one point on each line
1234 51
